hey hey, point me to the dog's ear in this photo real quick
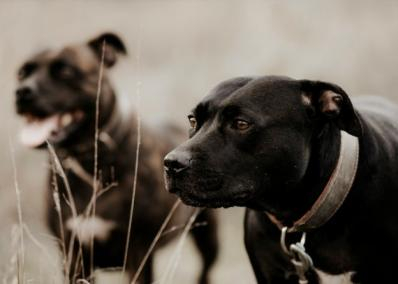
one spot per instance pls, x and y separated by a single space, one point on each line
331 103
113 46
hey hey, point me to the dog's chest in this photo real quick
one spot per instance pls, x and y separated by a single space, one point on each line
325 278
85 226
331 257
88 228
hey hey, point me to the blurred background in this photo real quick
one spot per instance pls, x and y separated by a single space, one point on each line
178 51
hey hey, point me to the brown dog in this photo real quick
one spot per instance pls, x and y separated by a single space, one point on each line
57 95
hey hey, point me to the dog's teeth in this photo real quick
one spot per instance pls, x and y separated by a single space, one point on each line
66 119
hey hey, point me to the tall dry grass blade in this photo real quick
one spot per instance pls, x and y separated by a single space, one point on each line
74 165
137 155
96 136
70 200
155 240
100 192
21 262
79 261
57 201
60 171
19 269
181 227
172 265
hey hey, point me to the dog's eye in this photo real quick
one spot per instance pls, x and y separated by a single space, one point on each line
240 125
192 121
63 71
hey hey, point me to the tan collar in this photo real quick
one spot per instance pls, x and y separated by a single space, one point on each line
334 193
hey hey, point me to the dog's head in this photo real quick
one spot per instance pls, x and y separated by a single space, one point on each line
57 90
251 137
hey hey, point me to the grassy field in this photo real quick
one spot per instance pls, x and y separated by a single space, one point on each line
178 51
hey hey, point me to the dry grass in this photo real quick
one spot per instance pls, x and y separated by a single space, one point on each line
96 136
57 202
155 241
57 168
21 248
174 260
67 253
136 164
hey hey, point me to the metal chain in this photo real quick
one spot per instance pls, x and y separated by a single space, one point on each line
301 260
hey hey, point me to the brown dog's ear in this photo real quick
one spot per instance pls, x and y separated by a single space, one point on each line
330 102
113 46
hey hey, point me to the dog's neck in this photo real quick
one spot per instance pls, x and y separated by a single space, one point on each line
293 203
110 132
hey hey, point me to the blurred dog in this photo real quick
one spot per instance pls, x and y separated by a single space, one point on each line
303 158
57 96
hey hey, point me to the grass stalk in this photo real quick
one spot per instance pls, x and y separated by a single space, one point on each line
57 201
155 240
96 136
173 263
21 255
136 164
69 199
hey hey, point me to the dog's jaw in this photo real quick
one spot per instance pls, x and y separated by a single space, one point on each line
224 202
210 197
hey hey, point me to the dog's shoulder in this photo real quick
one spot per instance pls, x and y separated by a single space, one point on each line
380 116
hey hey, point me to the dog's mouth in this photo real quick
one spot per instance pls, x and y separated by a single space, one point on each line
211 193
53 128
213 201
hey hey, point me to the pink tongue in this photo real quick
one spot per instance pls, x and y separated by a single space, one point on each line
36 133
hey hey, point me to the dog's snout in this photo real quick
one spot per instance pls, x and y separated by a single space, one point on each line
176 162
24 93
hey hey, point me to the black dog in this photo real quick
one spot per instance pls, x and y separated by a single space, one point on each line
57 95
288 150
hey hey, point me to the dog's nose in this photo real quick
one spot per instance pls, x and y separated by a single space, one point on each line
176 162
24 93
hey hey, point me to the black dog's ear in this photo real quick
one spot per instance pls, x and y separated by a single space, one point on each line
113 46
332 103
